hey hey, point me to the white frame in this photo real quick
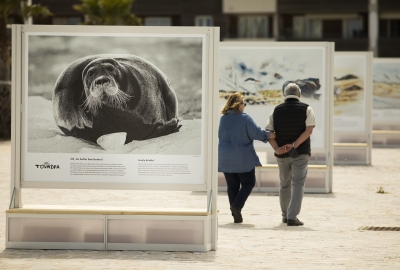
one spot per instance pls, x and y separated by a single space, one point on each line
368 88
209 133
328 140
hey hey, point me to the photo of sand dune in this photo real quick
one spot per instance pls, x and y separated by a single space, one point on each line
386 92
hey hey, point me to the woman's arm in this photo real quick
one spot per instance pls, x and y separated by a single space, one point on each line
255 132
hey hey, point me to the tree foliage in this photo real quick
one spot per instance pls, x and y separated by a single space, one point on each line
8 8
22 8
107 12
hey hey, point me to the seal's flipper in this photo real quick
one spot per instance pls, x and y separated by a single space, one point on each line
69 115
167 128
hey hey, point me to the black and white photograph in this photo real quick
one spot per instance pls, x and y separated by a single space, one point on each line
115 94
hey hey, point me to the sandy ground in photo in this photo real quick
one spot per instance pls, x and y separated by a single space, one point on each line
330 238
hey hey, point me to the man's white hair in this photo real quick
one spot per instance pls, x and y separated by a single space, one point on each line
292 89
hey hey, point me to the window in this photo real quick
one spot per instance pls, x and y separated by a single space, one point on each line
204 21
389 24
158 21
353 28
67 20
304 28
394 28
253 27
333 26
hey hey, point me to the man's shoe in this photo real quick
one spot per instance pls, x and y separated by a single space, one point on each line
237 216
294 222
284 220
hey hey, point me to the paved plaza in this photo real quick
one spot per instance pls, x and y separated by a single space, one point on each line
330 239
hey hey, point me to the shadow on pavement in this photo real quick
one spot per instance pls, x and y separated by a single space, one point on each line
244 226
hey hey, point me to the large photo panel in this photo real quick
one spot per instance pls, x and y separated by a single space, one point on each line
115 106
351 86
386 93
261 70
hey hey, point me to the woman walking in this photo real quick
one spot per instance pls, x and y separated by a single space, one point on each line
237 157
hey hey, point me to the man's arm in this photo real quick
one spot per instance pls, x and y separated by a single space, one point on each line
272 141
310 124
279 150
307 133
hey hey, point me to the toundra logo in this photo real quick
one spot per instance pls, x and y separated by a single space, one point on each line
47 165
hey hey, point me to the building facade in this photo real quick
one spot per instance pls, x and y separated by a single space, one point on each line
355 25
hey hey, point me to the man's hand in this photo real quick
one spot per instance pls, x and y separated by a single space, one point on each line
283 149
280 150
288 147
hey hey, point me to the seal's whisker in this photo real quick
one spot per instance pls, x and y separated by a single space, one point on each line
118 99
91 104
122 97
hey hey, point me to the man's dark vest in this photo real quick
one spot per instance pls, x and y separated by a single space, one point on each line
290 123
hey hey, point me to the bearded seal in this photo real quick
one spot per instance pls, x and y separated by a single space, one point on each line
103 94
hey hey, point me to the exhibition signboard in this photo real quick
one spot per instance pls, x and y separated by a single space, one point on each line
261 70
352 98
116 107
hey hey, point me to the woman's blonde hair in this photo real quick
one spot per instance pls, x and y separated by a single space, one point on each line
233 103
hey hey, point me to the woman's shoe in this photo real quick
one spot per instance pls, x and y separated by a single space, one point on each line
237 216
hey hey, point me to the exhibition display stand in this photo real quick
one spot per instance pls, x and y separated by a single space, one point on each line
386 102
259 70
54 68
352 120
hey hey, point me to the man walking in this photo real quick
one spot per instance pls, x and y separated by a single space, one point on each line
293 123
